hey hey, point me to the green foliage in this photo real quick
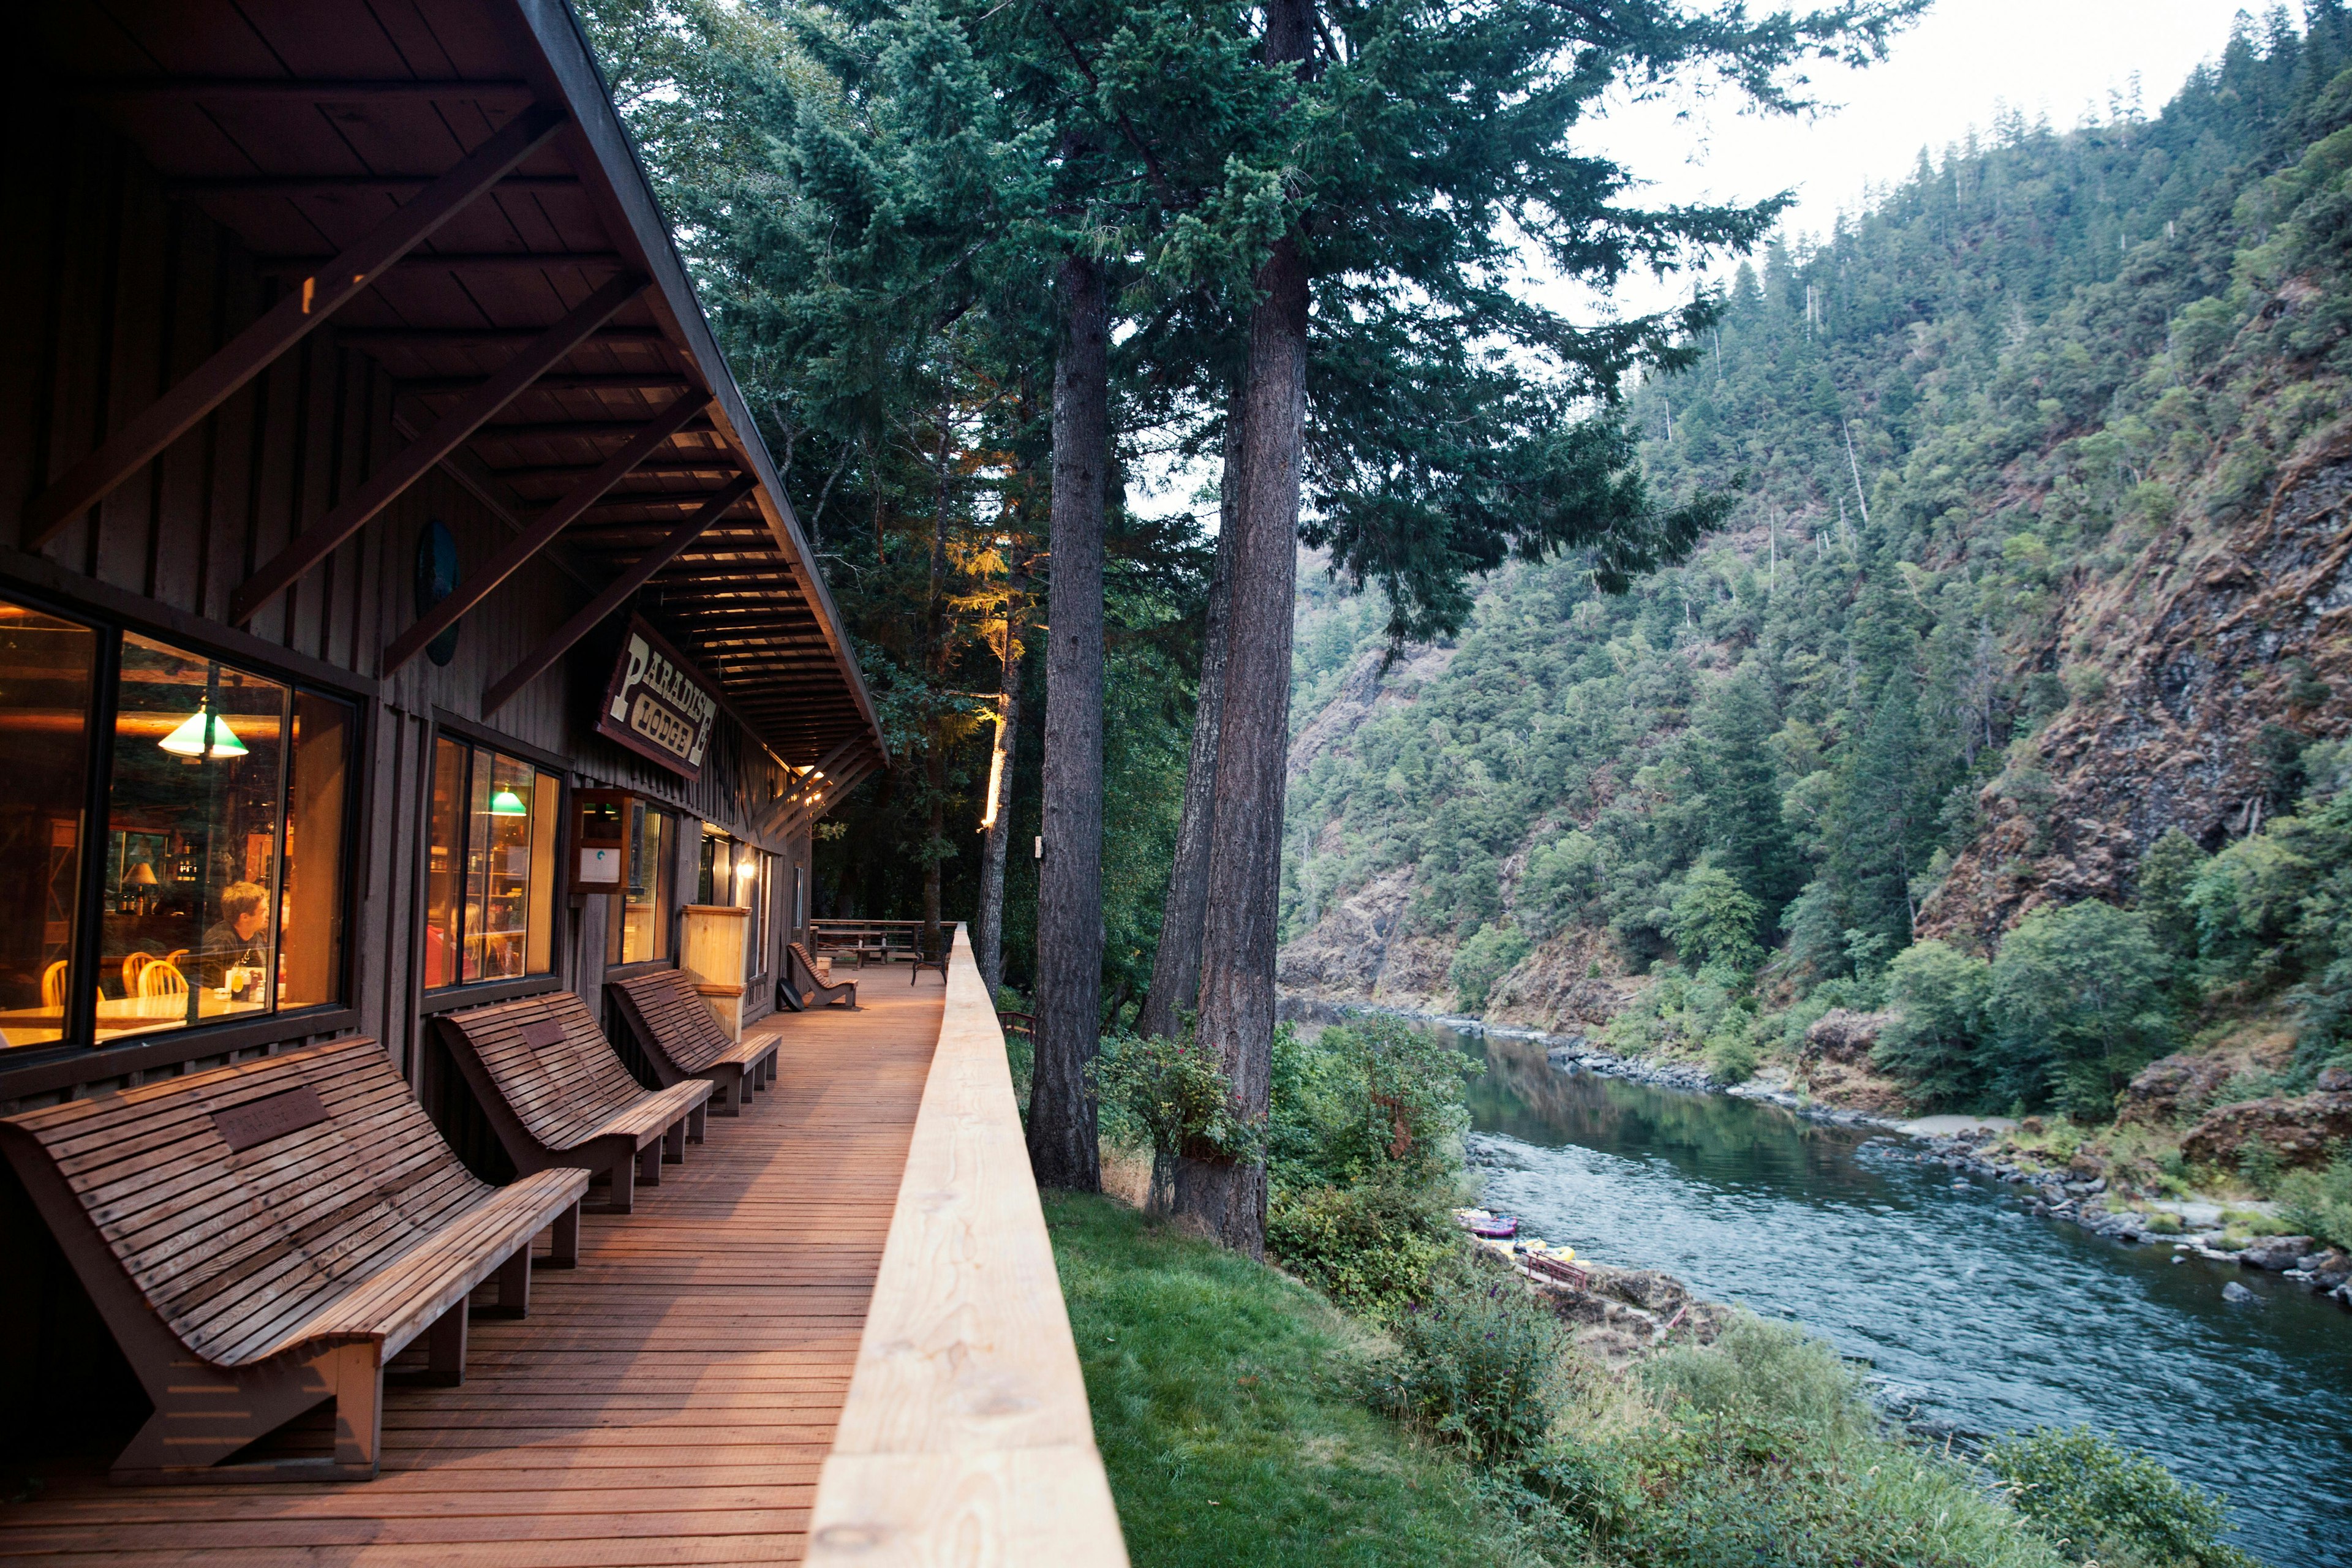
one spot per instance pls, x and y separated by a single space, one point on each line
1478 1368
2259 1164
1169 1094
1942 435
1714 920
2078 1005
1486 958
1375 1099
1934 1043
1228 1421
2319 1203
2103 1504
1363 1154
1370 1246
1776 1371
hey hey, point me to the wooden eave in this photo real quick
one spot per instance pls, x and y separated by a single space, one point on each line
302 131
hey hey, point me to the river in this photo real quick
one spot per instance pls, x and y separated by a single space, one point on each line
1964 1307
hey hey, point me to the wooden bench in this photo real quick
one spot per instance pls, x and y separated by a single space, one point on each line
804 988
552 1087
264 1236
673 1027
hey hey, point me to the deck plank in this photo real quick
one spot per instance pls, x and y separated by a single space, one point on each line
669 1400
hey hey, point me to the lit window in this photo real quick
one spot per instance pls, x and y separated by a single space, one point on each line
642 931
216 889
489 879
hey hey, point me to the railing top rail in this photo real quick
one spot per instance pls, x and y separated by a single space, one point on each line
966 1435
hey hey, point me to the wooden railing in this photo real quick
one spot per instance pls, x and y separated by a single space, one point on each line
966 1437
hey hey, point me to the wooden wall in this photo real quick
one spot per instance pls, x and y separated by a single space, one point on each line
116 292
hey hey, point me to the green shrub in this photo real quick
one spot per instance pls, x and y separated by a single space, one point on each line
1375 1098
1368 1246
2319 1203
1169 1094
2100 1502
2078 1004
1934 1042
1486 958
1731 1054
1772 1372
1477 1368
2259 1164
1714 921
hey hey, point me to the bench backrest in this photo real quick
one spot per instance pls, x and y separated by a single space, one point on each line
243 1199
551 1064
666 1005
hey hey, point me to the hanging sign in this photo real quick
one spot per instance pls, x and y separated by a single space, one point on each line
658 705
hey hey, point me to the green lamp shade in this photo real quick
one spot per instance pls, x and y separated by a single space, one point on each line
506 803
188 739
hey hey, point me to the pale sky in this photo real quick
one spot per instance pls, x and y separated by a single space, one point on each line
1948 73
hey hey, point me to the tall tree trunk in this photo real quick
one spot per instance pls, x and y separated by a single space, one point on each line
1176 965
988 940
935 658
1063 1147
1237 950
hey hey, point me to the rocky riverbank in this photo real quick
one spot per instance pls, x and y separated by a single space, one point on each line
2195 1230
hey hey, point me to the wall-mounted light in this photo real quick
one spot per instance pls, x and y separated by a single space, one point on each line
506 803
189 738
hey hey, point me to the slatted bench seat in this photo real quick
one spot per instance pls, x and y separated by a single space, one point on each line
673 1027
557 1095
264 1236
802 989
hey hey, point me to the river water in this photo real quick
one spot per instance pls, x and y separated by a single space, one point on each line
1965 1308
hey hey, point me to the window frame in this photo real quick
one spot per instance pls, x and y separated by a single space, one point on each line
464 733
80 1059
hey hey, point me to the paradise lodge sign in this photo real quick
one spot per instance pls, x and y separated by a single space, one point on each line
658 705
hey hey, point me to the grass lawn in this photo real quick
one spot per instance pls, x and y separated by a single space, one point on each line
1222 1404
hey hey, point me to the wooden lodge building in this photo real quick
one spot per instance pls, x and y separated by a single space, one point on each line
402 622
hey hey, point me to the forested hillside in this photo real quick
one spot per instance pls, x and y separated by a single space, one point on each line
2016 694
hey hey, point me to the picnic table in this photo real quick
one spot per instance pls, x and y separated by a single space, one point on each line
882 940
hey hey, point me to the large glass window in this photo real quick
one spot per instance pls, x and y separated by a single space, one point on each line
47 670
489 875
642 931
216 884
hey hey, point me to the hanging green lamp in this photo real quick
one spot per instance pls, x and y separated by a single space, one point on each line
188 739
506 803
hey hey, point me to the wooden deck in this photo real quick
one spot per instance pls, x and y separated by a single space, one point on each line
670 1401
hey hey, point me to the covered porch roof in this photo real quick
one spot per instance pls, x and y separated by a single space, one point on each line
445 185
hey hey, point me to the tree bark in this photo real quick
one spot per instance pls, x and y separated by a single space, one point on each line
988 941
1237 950
1064 1150
935 760
1176 964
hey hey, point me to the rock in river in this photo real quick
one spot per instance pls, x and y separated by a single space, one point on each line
2238 1295
2276 1253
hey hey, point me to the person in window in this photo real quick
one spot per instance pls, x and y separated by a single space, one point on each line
236 944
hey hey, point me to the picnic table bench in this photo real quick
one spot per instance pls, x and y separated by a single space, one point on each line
556 1093
804 987
880 939
264 1236
673 1027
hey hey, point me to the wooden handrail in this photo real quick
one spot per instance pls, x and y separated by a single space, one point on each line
966 1436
